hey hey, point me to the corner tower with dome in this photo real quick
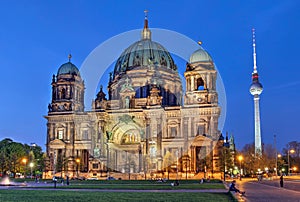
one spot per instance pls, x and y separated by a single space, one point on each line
147 125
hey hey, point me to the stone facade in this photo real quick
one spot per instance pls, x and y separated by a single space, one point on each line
146 126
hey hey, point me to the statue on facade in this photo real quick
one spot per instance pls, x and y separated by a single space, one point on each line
49 108
108 135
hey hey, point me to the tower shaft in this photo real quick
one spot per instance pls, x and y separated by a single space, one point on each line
258 148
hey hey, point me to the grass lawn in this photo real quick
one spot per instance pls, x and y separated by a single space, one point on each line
59 195
136 185
162 186
130 184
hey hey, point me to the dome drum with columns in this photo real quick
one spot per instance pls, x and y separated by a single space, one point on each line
144 125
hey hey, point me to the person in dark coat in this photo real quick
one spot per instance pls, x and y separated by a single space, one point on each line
233 188
281 181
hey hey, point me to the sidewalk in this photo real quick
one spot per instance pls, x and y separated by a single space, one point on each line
259 191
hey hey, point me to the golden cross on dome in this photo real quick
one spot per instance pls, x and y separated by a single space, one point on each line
146 13
69 56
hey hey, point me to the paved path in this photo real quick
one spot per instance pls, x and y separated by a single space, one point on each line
265 191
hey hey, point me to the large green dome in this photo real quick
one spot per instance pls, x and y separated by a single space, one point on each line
144 53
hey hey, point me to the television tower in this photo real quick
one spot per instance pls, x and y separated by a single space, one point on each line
255 90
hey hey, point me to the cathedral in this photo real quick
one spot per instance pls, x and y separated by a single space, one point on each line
147 125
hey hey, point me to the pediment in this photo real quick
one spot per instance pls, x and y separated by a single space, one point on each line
57 144
201 140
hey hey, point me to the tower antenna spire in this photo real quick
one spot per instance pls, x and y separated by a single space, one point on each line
254 51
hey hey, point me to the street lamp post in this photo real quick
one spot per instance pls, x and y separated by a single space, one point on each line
278 171
224 163
186 171
77 162
24 160
240 160
107 159
31 166
276 163
289 151
177 164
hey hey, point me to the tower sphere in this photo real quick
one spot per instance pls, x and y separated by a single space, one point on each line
256 88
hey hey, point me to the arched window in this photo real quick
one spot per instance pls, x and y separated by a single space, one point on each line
127 102
200 84
54 94
63 93
200 129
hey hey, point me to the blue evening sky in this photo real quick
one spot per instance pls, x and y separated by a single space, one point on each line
36 37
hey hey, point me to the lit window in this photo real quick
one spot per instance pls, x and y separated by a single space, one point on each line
60 134
173 132
85 135
152 151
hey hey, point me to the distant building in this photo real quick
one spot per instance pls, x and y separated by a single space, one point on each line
230 153
146 126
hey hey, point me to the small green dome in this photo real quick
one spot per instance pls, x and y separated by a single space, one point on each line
68 68
200 55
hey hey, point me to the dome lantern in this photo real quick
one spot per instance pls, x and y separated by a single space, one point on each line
146 33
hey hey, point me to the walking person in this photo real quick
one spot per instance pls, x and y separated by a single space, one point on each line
281 181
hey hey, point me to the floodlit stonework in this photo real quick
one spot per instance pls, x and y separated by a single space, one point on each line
146 126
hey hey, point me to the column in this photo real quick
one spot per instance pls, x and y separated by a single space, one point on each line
68 132
48 133
192 83
159 136
159 142
208 81
148 135
211 126
185 133
51 131
140 158
192 158
188 84
192 127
